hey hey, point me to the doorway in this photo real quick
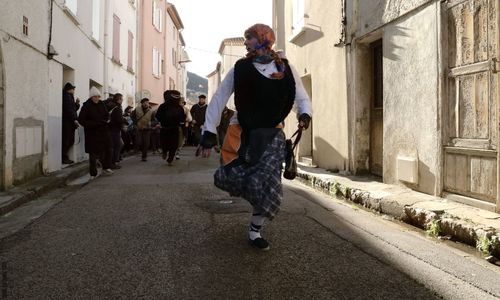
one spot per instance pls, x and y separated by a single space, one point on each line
471 107
305 151
377 110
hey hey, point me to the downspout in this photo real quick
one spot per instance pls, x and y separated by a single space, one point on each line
106 43
50 50
138 43
351 82
342 39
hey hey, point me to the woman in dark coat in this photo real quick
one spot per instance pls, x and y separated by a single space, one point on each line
94 118
171 115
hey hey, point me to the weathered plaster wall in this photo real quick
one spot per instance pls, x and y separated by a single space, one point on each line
411 95
373 14
25 89
314 54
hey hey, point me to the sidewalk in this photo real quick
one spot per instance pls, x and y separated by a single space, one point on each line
32 189
439 217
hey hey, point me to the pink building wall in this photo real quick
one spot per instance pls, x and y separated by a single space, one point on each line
150 37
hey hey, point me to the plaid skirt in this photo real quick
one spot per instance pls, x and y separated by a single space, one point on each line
260 183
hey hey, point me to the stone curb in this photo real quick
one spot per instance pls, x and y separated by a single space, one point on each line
17 196
436 215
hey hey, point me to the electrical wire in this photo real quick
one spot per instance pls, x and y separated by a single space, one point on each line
213 52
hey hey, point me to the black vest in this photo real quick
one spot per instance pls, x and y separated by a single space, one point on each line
261 102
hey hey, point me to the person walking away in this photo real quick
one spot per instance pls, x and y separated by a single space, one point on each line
171 115
265 89
70 107
127 130
94 118
115 125
155 143
142 116
198 113
183 130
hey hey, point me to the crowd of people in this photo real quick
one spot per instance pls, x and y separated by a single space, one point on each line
111 132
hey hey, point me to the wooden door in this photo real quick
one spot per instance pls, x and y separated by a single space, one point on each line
470 120
377 112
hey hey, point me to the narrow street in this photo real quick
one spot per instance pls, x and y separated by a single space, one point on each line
156 232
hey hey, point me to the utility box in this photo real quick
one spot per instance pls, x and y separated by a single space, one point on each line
407 169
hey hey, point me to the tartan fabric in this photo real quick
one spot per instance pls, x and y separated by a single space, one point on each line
259 184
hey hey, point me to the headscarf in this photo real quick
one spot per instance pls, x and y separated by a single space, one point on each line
266 38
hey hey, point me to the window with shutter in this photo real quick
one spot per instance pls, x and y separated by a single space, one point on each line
130 59
116 39
155 62
96 19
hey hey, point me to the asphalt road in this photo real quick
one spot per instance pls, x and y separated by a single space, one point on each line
152 231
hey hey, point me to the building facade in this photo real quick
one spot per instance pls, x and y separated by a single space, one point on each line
307 31
120 31
44 45
159 65
230 50
412 89
214 81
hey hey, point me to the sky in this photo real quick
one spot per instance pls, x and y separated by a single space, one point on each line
208 22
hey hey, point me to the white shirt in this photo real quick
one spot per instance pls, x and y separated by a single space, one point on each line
219 100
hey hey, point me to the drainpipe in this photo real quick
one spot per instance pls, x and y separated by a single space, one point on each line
138 48
106 43
342 39
50 50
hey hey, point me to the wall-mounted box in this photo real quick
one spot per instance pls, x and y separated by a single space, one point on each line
407 168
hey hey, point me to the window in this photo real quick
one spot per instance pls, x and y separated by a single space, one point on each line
116 39
72 5
298 16
130 60
25 25
157 16
96 19
174 58
171 84
157 61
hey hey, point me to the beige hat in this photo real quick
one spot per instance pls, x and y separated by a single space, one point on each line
94 92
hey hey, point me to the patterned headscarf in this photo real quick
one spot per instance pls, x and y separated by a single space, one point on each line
266 38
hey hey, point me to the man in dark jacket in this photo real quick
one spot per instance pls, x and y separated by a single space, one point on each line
171 115
198 113
94 118
115 125
69 120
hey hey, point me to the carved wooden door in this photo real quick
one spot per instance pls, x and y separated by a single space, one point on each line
470 119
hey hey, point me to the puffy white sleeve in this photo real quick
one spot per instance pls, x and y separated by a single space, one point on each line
218 102
302 103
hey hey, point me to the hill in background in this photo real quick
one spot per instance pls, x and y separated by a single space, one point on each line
196 86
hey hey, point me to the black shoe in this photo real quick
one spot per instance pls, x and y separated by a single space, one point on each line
260 244
67 161
115 167
144 159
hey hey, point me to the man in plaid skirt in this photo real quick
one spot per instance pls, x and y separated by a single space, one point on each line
265 88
